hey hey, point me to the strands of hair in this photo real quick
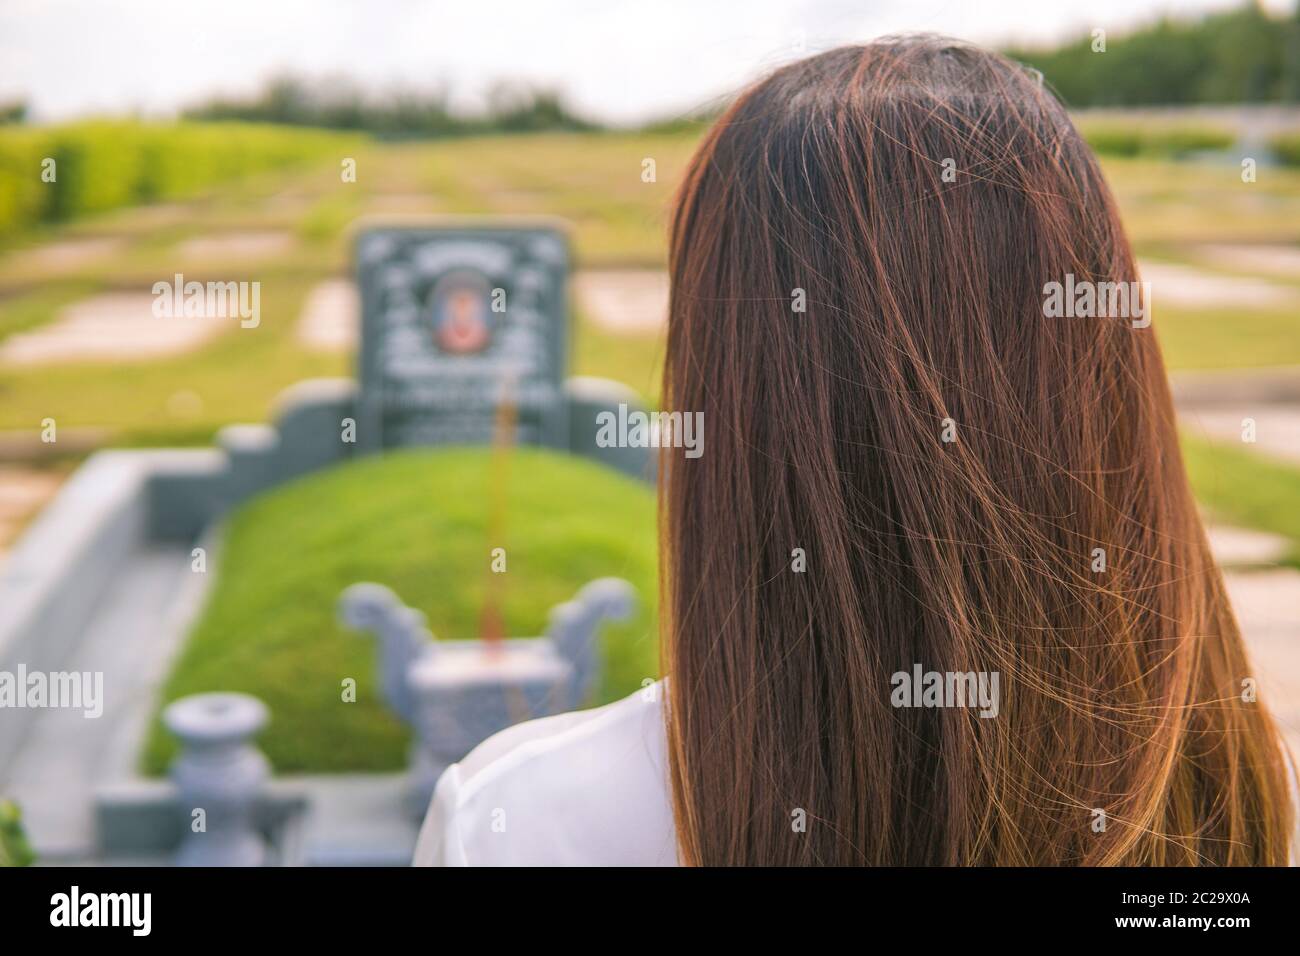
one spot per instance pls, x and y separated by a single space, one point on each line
1121 689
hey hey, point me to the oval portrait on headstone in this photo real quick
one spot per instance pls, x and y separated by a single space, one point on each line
460 313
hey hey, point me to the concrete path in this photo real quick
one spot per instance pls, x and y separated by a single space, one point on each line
1268 609
1266 599
141 622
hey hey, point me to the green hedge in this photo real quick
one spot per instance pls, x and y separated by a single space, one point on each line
103 165
1112 138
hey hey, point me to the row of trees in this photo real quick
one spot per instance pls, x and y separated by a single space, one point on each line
1241 56
339 104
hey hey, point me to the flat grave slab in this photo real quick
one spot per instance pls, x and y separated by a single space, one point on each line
329 320
64 255
387 204
111 327
1280 260
1277 427
624 300
1242 547
1190 287
237 245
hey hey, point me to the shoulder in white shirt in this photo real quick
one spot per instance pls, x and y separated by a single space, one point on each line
588 788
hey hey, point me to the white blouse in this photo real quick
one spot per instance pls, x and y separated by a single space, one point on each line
588 788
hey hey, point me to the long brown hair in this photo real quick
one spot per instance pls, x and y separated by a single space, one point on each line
909 465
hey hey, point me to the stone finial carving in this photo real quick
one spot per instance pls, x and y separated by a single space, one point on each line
219 775
403 636
572 628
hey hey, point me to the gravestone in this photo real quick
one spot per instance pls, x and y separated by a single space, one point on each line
455 322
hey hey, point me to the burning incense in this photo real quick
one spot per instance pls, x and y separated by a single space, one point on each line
492 622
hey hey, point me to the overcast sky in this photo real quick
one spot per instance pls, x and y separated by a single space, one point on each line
614 60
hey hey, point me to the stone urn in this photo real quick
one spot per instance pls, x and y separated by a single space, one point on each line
219 776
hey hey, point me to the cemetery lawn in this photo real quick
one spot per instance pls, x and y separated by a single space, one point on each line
595 182
415 521
1241 487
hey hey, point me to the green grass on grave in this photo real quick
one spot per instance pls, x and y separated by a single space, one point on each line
415 521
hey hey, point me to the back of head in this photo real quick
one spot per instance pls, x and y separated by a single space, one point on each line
913 466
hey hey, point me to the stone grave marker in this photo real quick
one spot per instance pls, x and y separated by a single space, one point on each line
455 321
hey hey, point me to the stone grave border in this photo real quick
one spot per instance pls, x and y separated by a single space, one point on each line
121 502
